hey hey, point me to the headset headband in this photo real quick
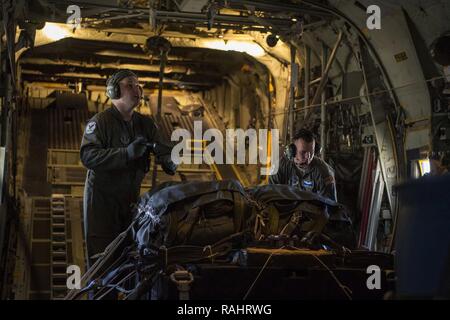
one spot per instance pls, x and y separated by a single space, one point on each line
119 75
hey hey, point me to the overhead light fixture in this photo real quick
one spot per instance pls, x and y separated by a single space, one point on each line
272 40
220 34
54 31
251 48
424 166
156 45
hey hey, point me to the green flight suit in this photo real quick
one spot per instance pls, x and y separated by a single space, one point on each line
318 177
112 181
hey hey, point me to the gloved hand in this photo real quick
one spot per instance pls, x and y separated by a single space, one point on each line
161 149
168 166
137 148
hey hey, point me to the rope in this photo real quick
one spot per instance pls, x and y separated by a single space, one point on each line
260 272
345 289
210 252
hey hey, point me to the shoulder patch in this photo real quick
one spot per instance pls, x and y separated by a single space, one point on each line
90 127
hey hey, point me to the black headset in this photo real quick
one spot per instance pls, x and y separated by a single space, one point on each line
290 151
112 84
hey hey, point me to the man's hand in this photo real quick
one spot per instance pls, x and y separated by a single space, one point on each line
168 166
137 148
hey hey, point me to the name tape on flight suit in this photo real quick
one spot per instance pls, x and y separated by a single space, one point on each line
308 184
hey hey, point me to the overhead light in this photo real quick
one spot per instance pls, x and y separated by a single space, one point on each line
424 166
54 31
250 48
272 40
294 19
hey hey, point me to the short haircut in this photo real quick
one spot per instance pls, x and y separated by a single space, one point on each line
119 76
304 134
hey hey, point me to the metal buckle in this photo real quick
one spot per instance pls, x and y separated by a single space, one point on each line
183 280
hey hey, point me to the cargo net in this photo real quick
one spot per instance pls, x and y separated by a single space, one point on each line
181 224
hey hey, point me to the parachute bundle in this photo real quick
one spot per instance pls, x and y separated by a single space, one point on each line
190 222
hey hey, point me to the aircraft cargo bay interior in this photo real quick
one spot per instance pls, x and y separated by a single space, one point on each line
198 150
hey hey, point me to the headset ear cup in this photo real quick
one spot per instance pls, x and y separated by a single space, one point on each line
317 147
113 92
290 151
112 84
117 91
293 149
110 92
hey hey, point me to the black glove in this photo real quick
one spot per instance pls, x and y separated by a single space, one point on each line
168 166
137 148
161 149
